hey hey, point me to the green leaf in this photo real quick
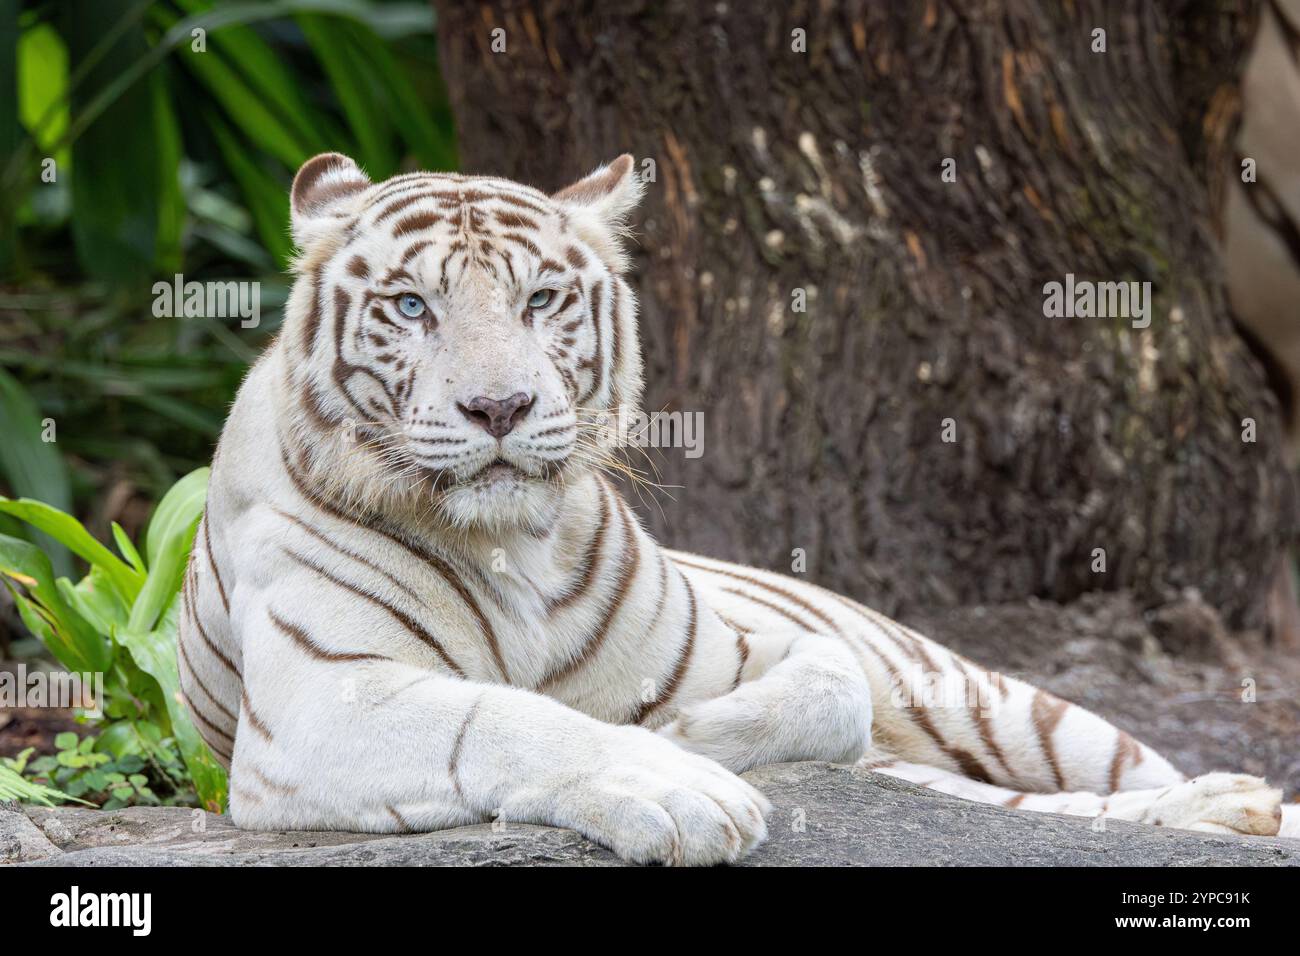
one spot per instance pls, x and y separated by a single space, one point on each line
179 508
15 787
167 546
65 632
154 652
118 174
43 87
127 549
351 81
66 740
32 465
70 532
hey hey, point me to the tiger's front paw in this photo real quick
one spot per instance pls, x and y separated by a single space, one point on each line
654 803
1220 803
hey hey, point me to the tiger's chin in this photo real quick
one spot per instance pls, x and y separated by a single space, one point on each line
502 498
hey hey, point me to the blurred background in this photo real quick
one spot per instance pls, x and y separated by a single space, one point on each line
810 280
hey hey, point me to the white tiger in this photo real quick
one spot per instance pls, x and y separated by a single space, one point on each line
414 602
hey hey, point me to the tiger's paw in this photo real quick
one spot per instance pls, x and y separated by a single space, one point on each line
656 803
1220 803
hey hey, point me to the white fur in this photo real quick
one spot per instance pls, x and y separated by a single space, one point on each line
377 702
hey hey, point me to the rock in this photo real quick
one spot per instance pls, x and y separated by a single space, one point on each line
823 815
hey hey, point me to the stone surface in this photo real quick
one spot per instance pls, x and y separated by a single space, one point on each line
823 815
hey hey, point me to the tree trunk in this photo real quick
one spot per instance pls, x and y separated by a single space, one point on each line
781 174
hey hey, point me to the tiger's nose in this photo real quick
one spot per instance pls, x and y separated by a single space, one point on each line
497 416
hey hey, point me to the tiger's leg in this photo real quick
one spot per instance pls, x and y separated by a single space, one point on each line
1212 802
800 696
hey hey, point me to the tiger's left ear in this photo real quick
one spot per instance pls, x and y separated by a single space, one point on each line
598 205
323 193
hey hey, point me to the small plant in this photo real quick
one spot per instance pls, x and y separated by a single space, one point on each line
119 621
81 772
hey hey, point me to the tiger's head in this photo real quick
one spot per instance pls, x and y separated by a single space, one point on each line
449 338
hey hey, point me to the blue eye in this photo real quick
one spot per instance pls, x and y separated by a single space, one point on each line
541 298
411 305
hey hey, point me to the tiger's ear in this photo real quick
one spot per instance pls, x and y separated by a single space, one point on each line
598 205
323 192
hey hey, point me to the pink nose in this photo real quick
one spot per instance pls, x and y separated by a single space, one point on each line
497 416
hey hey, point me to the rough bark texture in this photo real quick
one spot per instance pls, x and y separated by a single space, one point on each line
778 170
823 816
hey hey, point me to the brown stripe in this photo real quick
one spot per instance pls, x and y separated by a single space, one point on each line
983 723
357 267
353 555
575 257
312 323
205 721
413 626
523 241
254 721
513 220
1047 712
1015 801
742 653
453 764
615 308
804 625
212 561
683 660
436 561
631 562
304 640
187 598
283 789
970 766
1125 748
402 825
777 589
185 658
597 360
590 559
397 205
415 222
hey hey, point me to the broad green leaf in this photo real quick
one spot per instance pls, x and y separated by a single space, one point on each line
96 600
127 549
167 546
118 172
30 464
178 510
70 532
74 642
154 652
43 87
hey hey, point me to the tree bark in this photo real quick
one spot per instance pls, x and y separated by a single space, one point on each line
778 170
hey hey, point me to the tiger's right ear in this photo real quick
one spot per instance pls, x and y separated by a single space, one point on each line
323 192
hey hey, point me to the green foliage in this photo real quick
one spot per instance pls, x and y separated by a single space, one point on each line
14 786
119 620
86 770
173 156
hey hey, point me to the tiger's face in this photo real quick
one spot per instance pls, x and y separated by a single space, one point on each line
454 337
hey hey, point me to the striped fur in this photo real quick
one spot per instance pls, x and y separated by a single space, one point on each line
395 621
